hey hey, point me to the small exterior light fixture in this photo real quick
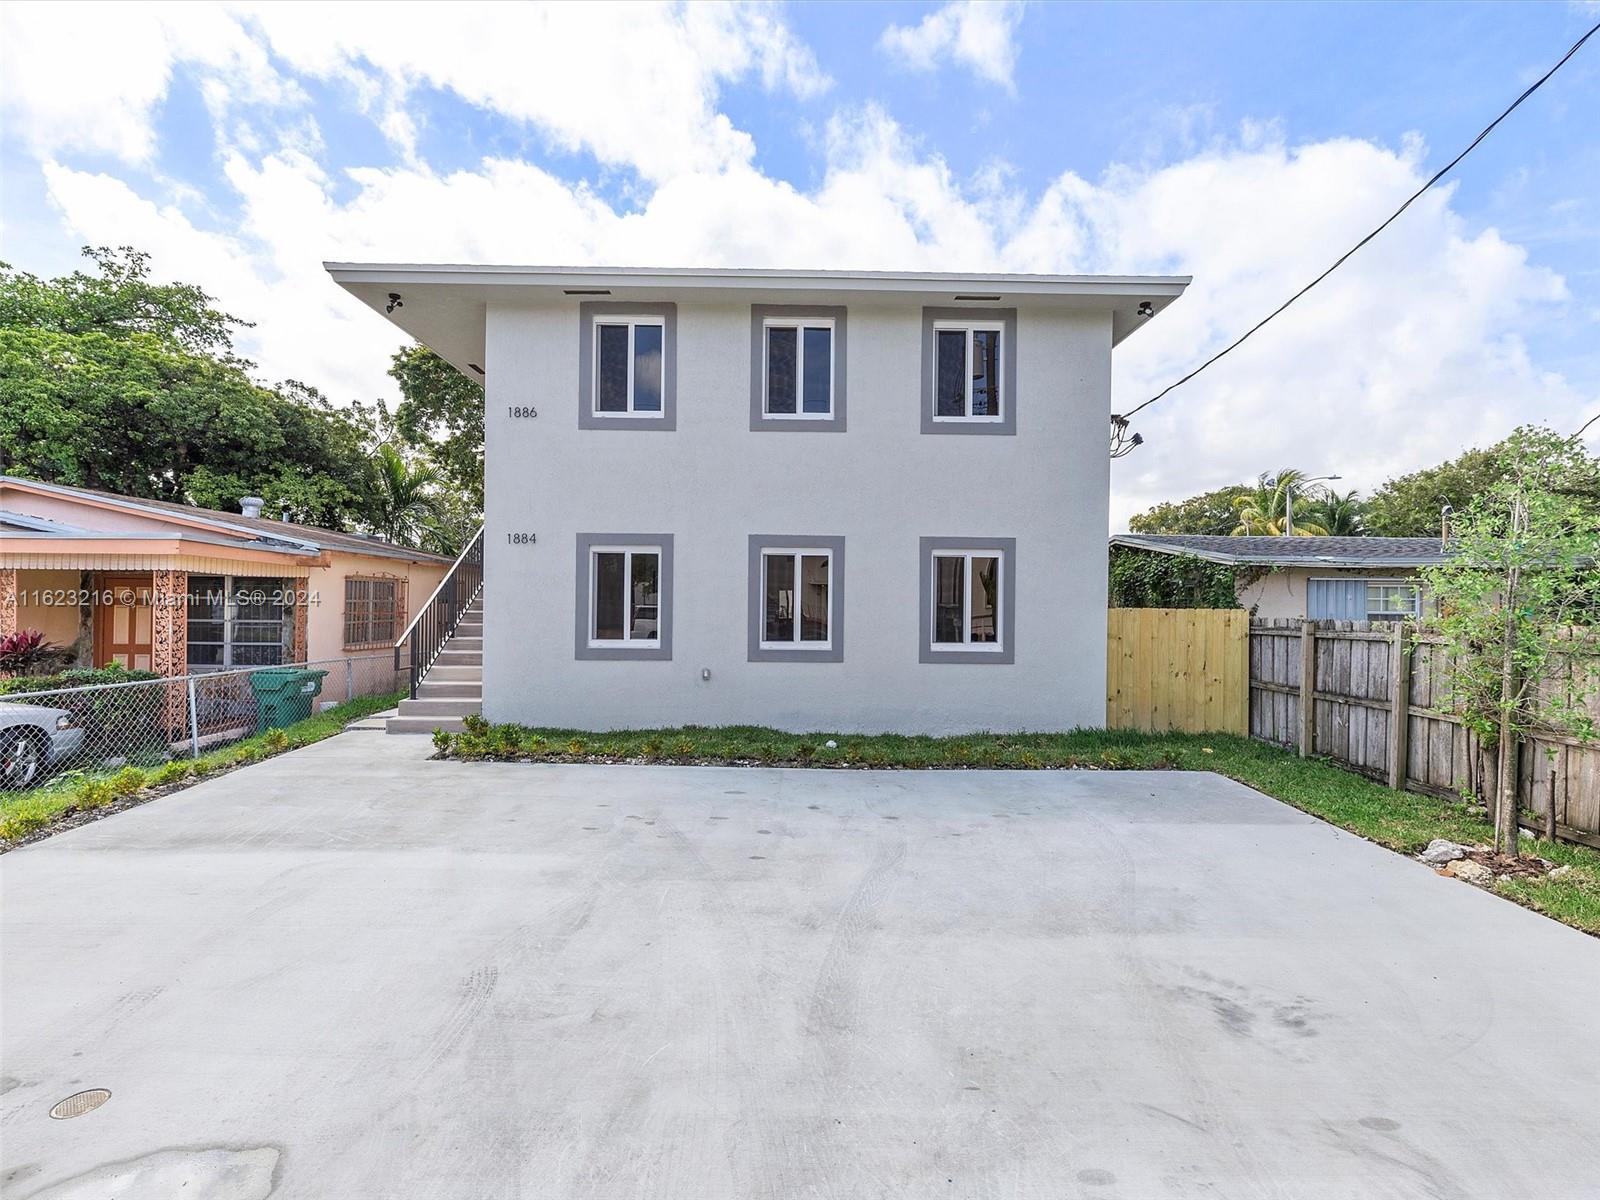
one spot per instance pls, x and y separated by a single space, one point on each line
394 302
1146 309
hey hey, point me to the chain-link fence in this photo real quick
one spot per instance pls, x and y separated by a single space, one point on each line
148 722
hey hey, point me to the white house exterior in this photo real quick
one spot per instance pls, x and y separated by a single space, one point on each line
810 500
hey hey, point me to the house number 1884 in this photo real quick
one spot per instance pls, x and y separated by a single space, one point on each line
522 539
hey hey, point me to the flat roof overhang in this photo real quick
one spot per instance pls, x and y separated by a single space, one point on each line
443 306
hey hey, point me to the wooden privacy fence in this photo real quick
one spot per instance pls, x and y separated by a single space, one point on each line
1370 696
1178 669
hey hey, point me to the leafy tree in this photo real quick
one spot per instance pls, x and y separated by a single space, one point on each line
1146 579
1408 506
441 415
111 381
1524 565
1264 510
1207 513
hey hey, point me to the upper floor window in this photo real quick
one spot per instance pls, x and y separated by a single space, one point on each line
629 354
969 366
967 371
797 368
626 369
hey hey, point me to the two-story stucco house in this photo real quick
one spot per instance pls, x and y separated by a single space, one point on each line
859 501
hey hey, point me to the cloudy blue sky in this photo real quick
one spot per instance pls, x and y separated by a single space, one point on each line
1247 145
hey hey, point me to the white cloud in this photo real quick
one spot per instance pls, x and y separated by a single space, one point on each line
633 84
978 34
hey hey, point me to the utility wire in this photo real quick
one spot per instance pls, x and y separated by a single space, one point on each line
1534 87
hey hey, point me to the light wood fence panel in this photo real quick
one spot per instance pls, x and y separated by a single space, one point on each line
1183 669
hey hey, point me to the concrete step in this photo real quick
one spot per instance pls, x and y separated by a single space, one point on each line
459 658
445 673
439 689
469 629
464 643
424 725
462 707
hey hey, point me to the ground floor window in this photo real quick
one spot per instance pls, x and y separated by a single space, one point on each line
624 596
239 621
796 605
373 611
968 605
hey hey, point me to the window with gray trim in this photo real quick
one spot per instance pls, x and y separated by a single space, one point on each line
969 367
627 371
624 596
796 599
797 368
968 596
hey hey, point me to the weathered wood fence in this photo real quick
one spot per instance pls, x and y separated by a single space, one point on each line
1177 669
1370 696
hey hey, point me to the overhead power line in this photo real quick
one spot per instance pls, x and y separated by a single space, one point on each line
1440 174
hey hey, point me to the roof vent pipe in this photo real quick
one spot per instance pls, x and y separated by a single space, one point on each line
250 506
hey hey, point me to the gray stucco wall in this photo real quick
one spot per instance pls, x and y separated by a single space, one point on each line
883 485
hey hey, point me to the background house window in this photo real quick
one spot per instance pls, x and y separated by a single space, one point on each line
623 597
1353 598
372 611
629 360
799 369
967 371
238 621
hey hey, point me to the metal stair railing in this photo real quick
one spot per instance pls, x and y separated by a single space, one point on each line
439 615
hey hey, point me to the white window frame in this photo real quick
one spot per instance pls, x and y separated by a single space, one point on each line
632 322
799 325
796 553
967 644
1416 598
627 639
970 327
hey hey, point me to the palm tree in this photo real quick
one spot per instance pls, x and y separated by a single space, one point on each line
1263 511
402 496
1341 515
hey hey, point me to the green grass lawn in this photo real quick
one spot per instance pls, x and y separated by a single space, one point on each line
23 813
1402 821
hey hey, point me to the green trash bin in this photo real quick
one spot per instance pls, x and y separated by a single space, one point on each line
284 695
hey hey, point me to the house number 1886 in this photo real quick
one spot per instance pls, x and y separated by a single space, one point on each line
522 410
522 539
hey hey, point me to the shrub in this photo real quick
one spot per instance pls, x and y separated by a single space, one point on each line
172 772
683 748
651 747
506 740
276 741
126 782
475 725
441 741
26 650
92 793
575 746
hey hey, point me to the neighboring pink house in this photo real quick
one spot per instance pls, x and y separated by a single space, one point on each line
171 588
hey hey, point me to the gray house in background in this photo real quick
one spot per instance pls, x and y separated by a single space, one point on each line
1323 578
806 499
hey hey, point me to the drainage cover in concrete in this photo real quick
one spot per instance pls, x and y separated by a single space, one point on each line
79 1103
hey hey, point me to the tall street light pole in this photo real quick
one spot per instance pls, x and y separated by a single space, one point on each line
1288 497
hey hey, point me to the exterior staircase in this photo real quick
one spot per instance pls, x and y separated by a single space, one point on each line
453 686
444 645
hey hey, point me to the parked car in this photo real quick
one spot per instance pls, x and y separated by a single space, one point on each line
33 739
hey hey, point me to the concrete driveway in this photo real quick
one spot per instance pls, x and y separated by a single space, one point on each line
348 972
